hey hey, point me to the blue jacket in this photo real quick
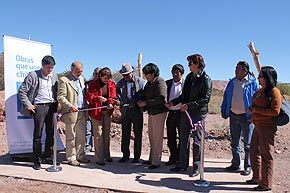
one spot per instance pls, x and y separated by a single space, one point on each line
249 90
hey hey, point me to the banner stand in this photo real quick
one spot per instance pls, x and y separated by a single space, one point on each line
54 168
23 157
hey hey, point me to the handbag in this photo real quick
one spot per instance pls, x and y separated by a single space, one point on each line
284 115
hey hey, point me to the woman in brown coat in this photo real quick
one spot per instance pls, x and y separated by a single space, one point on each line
266 104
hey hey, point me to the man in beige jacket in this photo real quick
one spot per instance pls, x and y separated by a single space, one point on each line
72 100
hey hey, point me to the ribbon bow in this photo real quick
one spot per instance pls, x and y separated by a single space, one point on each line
197 125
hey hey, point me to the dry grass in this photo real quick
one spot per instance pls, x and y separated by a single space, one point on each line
215 101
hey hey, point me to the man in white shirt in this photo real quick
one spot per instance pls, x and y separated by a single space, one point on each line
37 94
174 90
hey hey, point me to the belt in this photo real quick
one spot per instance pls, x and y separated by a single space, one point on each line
174 111
45 104
238 114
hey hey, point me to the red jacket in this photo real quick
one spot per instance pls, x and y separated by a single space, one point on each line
94 90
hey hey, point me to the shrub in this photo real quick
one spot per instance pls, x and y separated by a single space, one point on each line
284 88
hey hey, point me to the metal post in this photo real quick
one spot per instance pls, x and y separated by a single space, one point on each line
54 168
201 182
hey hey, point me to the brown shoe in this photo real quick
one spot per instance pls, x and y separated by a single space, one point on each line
260 188
251 182
83 160
74 163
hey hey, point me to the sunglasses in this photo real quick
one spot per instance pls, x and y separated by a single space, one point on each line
126 75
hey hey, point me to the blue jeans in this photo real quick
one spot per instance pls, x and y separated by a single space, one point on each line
240 126
89 144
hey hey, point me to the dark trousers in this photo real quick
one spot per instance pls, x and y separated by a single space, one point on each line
43 115
173 128
262 155
185 133
133 116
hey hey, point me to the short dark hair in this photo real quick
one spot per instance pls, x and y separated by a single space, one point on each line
178 67
48 60
196 59
151 68
74 64
96 71
105 72
245 65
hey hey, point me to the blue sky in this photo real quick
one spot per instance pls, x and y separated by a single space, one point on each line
109 33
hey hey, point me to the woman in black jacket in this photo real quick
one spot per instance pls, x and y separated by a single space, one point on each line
195 98
154 99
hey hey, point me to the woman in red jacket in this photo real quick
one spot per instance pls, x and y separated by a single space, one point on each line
100 95
266 104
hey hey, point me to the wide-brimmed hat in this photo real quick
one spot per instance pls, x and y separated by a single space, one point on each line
126 69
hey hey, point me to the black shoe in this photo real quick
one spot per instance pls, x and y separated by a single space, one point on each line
176 169
260 188
135 160
109 160
36 166
195 173
147 162
246 172
123 159
153 166
251 182
170 162
231 168
49 161
100 163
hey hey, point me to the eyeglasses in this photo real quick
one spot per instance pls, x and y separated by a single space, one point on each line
126 75
190 63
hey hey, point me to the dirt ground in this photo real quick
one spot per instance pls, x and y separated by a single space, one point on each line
217 145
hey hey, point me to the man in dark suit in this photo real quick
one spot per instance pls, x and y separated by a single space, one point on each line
129 90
